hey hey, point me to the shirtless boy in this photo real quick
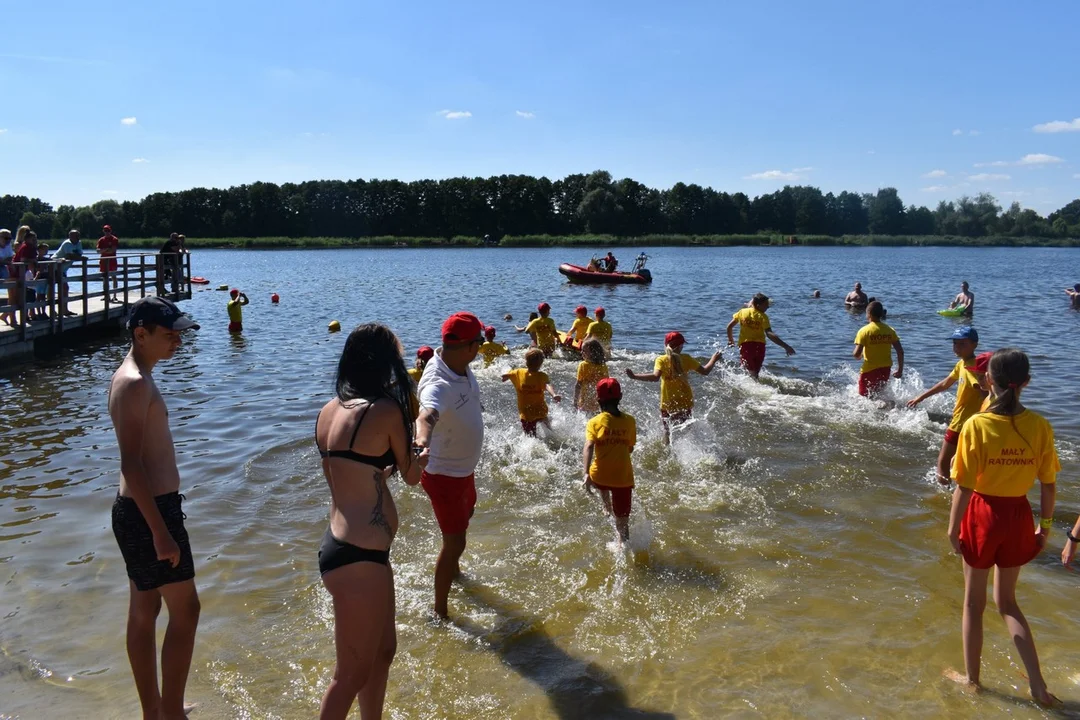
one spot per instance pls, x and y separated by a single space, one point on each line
147 519
964 300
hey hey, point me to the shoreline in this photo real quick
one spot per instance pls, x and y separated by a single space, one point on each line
587 241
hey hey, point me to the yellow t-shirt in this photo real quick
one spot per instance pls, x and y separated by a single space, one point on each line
601 330
993 458
588 374
987 402
969 396
235 313
579 329
491 350
532 405
415 374
547 337
752 325
675 392
877 340
613 438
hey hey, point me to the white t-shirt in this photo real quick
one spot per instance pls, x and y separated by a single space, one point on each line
458 437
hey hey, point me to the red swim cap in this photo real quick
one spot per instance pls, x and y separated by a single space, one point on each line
599 312
581 310
425 353
234 292
981 364
608 389
489 332
543 307
674 339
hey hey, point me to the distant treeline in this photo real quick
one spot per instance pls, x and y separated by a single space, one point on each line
522 206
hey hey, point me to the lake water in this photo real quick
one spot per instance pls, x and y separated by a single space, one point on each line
798 564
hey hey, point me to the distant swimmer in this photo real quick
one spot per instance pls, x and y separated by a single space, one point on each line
816 294
1074 296
856 298
874 344
491 349
591 370
969 396
531 384
754 327
965 300
610 438
672 369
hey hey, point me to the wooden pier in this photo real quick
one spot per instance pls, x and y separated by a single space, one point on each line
88 306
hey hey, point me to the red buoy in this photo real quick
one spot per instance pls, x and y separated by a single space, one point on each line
274 298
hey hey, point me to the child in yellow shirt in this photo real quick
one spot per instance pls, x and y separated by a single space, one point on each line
610 437
424 354
491 349
591 370
531 384
575 336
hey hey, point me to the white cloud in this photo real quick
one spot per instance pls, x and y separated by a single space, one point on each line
1058 126
455 114
958 131
974 132
1029 159
525 114
3 130
140 160
989 176
935 174
871 152
128 121
936 188
1014 193
1076 176
785 175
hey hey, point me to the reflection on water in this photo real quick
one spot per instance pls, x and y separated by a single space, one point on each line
789 555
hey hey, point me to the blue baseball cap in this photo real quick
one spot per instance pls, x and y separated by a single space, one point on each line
965 332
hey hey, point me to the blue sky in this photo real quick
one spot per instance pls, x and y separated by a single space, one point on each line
939 99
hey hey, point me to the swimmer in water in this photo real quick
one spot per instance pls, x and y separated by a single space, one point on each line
1074 296
610 437
856 298
531 384
965 300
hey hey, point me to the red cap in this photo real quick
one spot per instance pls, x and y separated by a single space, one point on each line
608 389
981 364
107 228
674 339
425 353
234 292
543 307
581 310
462 327
489 331
599 312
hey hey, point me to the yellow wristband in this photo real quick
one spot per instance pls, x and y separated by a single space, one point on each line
1045 523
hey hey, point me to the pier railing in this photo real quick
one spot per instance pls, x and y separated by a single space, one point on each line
78 297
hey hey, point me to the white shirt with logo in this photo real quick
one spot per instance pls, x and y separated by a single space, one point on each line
458 437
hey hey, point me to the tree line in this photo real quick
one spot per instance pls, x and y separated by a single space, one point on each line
525 205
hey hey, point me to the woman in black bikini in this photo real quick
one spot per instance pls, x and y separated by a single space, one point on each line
362 434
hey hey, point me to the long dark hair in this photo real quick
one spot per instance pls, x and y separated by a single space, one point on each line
1009 370
371 367
611 406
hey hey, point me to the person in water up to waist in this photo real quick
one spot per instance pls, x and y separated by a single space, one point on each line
965 300
610 438
754 327
672 369
543 329
580 329
1074 296
236 314
856 298
874 344
969 396
491 349
999 456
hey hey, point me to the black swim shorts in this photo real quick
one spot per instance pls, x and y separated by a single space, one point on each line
137 542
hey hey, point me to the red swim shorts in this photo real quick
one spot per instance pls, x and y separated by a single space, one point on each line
107 264
452 499
952 437
998 531
620 499
235 327
753 356
675 416
872 382
529 426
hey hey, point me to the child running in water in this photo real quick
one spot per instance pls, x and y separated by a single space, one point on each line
424 354
542 329
754 327
591 370
671 369
999 456
491 349
600 329
580 329
236 315
531 384
610 437
874 344
969 396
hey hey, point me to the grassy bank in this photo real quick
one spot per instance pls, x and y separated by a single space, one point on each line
613 241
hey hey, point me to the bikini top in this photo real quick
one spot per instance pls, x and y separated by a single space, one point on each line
379 461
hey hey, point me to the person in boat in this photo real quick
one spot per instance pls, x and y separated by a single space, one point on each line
965 300
856 298
610 263
1074 296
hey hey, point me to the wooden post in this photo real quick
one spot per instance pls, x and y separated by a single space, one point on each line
85 295
142 276
125 281
51 294
20 295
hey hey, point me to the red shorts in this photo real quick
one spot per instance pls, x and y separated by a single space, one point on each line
107 265
452 499
529 426
675 416
236 327
872 382
620 499
952 437
998 531
753 356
